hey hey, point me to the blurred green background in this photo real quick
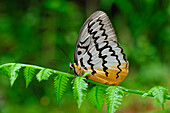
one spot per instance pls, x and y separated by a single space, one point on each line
33 31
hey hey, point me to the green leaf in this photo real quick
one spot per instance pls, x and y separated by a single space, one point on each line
60 83
96 96
114 98
79 89
14 72
160 94
5 70
28 74
44 74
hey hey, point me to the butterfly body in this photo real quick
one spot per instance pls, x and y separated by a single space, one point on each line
98 51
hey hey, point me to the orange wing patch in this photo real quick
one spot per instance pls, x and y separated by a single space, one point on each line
100 76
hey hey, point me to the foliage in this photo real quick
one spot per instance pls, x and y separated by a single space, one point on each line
160 94
28 74
96 95
79 89
14 72
44 74
60 83
114 98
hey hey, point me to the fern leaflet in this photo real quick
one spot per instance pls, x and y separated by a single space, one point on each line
79 89
44 74
160 94
96 96
5 70
60 83
114 97
14 72
28 74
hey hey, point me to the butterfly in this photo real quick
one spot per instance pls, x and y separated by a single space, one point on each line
98 51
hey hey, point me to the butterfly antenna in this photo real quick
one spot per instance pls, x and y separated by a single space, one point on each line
69 71
61 60
65 54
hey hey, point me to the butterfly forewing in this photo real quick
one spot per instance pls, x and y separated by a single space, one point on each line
98 51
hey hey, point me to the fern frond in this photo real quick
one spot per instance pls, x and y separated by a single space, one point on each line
160 94
5 70
114 97
28 74
44 74
14 72
60 83
96 96
79 89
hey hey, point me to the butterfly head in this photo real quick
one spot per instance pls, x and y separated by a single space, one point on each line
71 65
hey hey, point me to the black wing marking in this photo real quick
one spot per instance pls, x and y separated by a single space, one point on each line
95 31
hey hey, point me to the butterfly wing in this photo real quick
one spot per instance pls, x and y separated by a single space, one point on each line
97 49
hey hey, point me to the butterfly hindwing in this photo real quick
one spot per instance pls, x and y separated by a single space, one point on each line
97 48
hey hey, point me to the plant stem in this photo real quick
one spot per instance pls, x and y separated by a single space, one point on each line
38 67
126 90
93 82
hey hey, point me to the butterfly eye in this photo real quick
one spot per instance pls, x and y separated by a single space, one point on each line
71 65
